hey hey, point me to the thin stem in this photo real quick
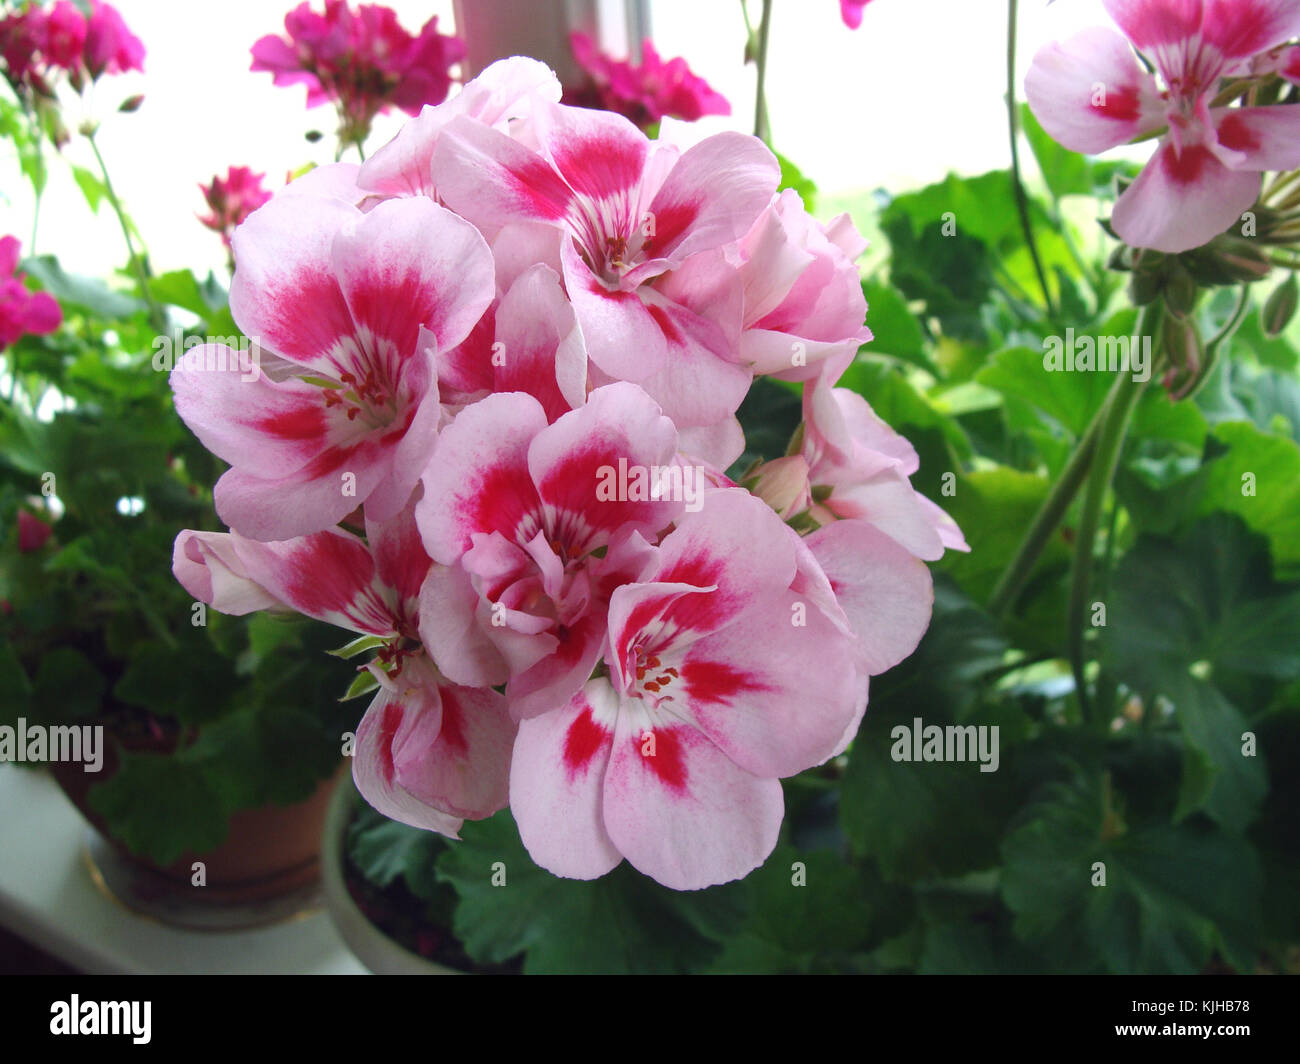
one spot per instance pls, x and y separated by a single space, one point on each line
1013 129
156 316
762 126
1045 522
1116 414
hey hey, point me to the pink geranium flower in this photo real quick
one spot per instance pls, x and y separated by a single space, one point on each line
643 230
231 199
513 507
645 92
360 59
36 42
429 752
671 757
803 293
22 312
356 305
1091 93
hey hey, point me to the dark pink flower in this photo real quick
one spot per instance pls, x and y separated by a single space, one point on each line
65 36
32 532
645 92
110 48
232 199
22 313
361 59
851 12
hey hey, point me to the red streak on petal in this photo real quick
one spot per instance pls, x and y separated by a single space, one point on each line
299 423
1234 133
669 758
581 742
1187 167
1120 104
717 682
453 722
388 725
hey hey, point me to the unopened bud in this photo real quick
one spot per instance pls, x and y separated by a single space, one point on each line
1280 307
131 104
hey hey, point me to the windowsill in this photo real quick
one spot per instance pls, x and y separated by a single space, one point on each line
48 898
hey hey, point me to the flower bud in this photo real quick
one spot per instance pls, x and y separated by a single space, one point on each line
1280 307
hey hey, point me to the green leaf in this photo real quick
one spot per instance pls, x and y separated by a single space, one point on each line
793 177
188 683
68 686
160 807
894 328
92 188
622 922
1171 896
993 507
808 911
359 646
384 850
84 293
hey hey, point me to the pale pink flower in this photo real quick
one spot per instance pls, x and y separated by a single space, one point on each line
428 752
1091 93
355 305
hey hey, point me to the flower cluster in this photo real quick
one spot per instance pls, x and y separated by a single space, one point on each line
503 360
645 92
231 199
1092 93
36 43
360 59
22 313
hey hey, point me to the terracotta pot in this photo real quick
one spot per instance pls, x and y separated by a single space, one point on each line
268 853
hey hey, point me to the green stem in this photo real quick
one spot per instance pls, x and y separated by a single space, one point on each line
156 316
1116 414
1013 129
1045 522
762 126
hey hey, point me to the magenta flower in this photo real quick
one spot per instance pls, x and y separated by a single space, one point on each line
645 92
22 312
361 59
851 12
231 199
109 46
1091 93
35 43
32 532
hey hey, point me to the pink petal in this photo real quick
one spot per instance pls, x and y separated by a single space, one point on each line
1090 93
478 480
1181 201
208 566
556 778
1260 138
884 590
686 816
410 263
453 619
